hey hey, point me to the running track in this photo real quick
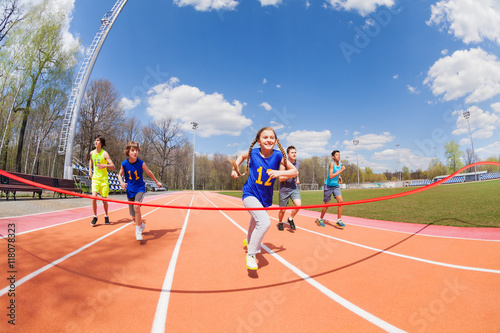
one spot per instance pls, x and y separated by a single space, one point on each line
189 274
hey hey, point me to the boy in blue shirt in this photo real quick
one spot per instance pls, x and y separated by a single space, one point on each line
133 168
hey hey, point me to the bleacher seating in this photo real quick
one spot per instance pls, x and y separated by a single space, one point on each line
489 176
454 180
114 183
423 182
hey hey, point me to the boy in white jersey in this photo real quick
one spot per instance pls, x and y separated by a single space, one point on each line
332 187
99 164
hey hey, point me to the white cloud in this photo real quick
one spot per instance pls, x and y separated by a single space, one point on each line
482 124
278 86
406 157
369 141
208 5
65 7
363 7
472 73
444 52
266 106
469 20
412 90
496 107
276 126
490 150
128 104
395 76
264 81
185 104
309 143
274 3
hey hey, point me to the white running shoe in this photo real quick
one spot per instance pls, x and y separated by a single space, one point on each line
142 227
252 262
138 233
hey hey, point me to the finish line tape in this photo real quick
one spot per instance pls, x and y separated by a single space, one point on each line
356 202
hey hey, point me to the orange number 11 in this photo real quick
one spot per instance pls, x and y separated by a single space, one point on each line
130 176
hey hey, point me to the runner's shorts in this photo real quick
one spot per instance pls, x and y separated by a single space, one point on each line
328 191
137 198
101 187
285 195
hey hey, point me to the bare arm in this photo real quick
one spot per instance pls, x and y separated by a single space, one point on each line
234 173
110 164
120 179
333 175
150 174
290 171
90 165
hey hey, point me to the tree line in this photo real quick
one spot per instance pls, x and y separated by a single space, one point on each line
36 75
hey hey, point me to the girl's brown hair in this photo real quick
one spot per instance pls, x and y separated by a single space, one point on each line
130 145
257 137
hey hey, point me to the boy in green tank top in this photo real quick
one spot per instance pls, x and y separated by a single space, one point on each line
99 164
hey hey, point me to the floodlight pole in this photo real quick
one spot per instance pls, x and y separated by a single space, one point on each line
356 142
467 116
195 127
399 164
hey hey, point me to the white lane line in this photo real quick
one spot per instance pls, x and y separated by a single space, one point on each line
78 219
390 230
327 292
432 262
58 261
162 307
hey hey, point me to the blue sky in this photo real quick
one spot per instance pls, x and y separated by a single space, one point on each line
322 73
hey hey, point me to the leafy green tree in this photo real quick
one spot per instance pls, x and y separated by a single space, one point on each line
453 156
436 168
369 177
44 59
405 174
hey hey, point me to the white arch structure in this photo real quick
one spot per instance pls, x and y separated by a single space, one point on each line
68 129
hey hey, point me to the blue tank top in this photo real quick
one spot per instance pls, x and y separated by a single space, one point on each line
133 177
335 180
259 184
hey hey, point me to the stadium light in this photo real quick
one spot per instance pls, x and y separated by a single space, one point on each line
399 164
356 142
195 127
467 116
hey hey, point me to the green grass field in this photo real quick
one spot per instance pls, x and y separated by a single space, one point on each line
460 205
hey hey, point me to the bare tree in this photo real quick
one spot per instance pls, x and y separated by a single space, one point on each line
132 130
100 113
469 158
180 168
165 136
222 170
11 15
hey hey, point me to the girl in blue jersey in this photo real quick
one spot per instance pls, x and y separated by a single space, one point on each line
262 169
132 168
332 187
